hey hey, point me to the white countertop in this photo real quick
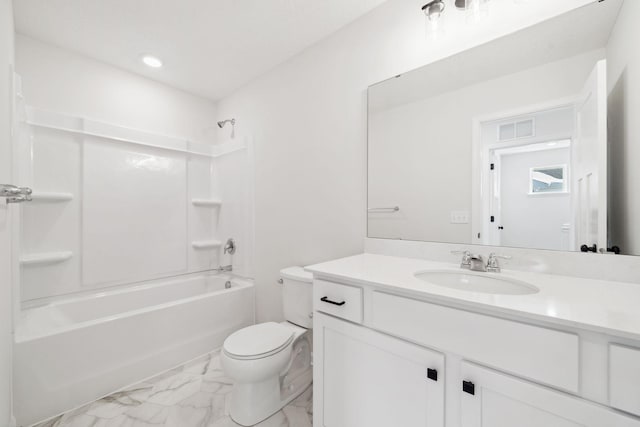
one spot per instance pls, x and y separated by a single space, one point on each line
597 305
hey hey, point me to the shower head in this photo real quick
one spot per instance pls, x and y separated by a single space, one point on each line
224 122
233 126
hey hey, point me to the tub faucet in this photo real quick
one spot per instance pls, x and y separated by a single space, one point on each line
225 268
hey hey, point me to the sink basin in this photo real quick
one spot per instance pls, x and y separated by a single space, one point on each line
487 283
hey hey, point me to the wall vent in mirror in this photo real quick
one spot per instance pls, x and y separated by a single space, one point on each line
511 148
515 130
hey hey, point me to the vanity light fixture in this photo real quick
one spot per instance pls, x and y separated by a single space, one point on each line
433 10
476 9
151 61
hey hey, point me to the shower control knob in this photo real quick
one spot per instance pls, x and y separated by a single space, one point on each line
15 194
230 247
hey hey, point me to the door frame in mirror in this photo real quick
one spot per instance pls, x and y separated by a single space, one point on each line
481 176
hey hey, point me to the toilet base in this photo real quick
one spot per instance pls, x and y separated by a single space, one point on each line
253 403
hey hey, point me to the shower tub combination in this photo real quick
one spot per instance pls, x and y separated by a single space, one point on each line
71 352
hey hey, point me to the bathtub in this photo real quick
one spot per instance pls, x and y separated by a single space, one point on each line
73 351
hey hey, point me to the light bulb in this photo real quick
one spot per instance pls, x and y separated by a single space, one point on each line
151 61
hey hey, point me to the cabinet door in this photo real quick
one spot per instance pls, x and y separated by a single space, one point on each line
492 399
366 379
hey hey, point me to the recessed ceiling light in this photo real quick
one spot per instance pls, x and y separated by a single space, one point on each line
152 61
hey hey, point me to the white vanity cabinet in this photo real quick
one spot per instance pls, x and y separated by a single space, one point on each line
383 359
624 378
367 379
494 399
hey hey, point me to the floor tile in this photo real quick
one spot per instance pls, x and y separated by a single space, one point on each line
193 395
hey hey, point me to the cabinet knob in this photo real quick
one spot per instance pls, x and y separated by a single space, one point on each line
469 387
432 374
585 248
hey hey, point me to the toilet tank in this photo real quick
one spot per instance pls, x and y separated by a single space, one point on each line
297 296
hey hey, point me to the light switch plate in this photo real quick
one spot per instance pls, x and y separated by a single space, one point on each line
460 217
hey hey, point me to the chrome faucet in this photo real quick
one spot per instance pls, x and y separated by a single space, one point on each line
477 263
493 265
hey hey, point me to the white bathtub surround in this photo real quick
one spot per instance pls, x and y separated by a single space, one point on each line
193 395
102 167
73 351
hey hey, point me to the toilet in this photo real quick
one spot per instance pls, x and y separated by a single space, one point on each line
270 363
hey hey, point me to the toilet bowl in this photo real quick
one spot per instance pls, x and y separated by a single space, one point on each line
270 363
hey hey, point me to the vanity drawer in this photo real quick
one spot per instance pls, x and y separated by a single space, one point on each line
539 354
338 300
624 378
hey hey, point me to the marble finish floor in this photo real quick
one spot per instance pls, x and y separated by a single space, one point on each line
194 395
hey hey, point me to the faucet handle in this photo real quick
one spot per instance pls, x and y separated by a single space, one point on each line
466 258
492 263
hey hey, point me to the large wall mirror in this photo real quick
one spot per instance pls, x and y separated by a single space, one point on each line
528 141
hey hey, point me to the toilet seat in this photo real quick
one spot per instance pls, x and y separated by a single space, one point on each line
258 341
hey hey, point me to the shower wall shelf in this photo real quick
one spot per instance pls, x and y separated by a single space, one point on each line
50 197
45 258
206 244
206 203
83 126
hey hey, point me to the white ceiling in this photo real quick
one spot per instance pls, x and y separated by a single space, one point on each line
209 47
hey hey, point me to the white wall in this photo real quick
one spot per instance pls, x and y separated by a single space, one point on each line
308 119
421 152
6 320
624 134
63 81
